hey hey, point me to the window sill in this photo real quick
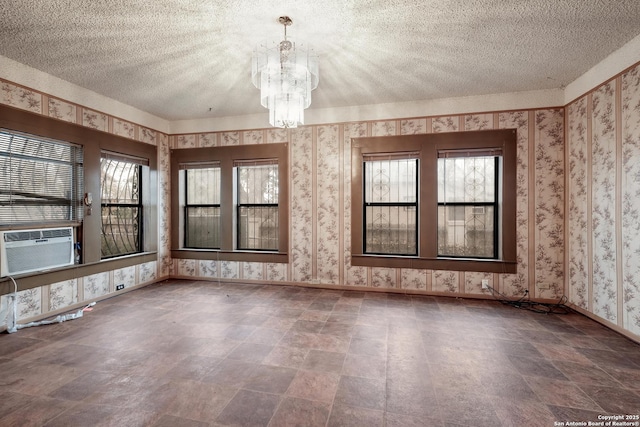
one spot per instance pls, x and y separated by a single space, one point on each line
217 255
455 264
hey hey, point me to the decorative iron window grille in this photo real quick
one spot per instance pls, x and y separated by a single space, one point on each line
202 205
390 215
468 204
122 210
41 180
257 205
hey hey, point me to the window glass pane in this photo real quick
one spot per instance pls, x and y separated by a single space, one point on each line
202 227
120 181
466 231
120 230
390 181
466 179
121 207
258 184
203 186
258 227
390 229
40 179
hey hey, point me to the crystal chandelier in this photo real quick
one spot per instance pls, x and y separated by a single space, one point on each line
285 74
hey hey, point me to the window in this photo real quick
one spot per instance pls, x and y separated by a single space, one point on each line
391 205
441 201
40 179
257 207
232 203
468 204
121 187
202 206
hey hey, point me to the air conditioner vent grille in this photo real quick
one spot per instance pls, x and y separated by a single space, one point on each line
50 233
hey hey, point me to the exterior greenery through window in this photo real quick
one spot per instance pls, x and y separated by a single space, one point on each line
121 185
41 180
441 201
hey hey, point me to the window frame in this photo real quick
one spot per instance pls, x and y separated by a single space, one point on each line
227 157
428 146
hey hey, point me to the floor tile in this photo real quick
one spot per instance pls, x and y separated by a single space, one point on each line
249 408
342 415
250 352
300 412
467 408
232 373
325 361
614 400
367 367
561 393
314 385
291 357
270 379
37 411
361 392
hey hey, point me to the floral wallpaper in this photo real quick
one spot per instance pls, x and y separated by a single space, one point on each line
61 110
516 284
63 294
603 194
354 275
578 274
29 303
96 285
549 203
603 179
630 135
302 203
164 207
328 200
20 97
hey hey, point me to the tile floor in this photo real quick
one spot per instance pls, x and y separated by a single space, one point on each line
193 353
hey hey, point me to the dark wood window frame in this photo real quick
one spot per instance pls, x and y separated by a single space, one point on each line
226 157
89 230
429 145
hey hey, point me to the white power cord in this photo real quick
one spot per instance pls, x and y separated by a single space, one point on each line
12 319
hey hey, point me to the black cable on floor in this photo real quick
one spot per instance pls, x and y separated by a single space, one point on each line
525 303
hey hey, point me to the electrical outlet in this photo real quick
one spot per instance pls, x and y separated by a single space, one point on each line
120 287
485 283
543 286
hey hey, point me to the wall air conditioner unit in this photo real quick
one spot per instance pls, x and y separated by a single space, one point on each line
25 251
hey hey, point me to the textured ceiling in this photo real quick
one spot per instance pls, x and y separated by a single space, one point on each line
187 59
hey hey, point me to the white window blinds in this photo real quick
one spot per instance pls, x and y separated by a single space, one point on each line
40 179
